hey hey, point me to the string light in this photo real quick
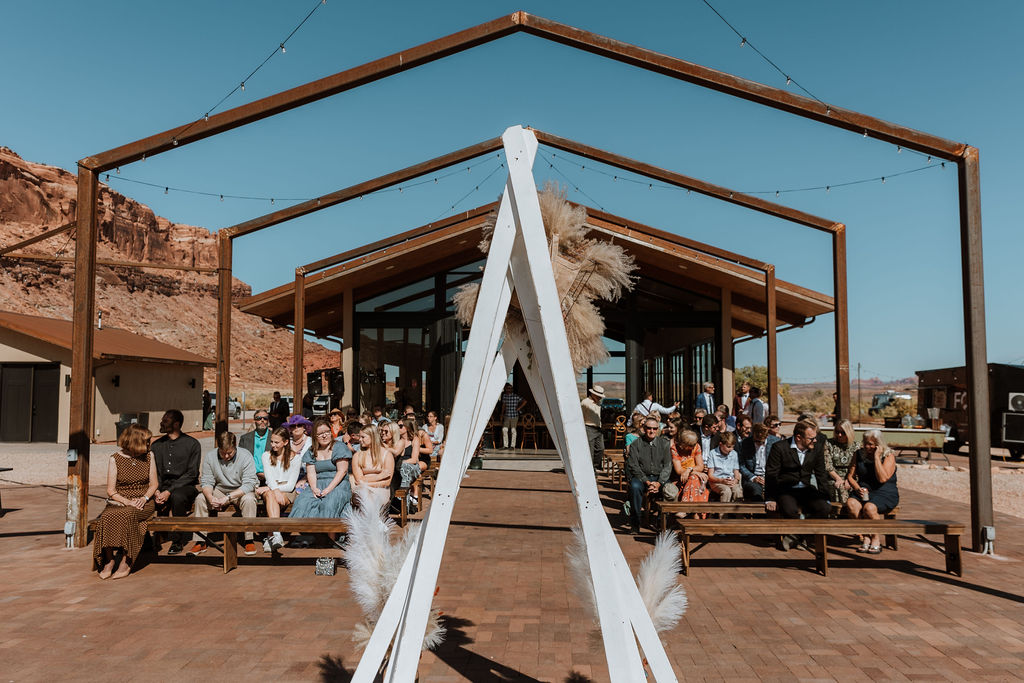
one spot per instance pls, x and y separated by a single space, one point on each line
117 170
174 141
883 180
788 80
899 149
743 42
165 190
241 86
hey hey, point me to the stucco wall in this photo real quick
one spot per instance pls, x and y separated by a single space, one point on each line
151 388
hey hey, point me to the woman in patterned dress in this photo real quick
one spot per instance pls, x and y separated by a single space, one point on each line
839 458
131 483
688 467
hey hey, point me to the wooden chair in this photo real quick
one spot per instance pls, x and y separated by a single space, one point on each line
528 424
619 430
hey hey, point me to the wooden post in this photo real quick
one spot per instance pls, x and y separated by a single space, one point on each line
842 325
348 350
224 247
299 379
770 325
634 365
725 353
83 313
978 408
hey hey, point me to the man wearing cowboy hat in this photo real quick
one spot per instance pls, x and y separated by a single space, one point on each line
591 406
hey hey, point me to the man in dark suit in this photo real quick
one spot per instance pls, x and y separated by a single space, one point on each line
709 434
278 411
787 475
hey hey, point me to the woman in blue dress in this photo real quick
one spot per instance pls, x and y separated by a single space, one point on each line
329 493
873 481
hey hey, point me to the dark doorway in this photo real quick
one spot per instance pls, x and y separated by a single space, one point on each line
45 402
16 403
29 402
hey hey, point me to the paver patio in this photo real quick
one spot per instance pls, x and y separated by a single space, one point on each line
754 612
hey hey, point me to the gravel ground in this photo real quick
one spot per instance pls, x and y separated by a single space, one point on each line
36 464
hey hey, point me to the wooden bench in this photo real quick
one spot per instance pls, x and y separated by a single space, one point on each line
754 509
821 529
4 469
231 527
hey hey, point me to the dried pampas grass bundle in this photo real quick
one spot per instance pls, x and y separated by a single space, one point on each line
374 562
584 269
657 580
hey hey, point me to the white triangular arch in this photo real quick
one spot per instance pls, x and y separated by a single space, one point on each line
518 260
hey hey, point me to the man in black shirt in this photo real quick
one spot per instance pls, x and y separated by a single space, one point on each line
177 457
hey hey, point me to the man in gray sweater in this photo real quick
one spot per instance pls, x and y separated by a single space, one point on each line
228 479
648 465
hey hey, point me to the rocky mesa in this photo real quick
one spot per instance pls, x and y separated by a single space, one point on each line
175 307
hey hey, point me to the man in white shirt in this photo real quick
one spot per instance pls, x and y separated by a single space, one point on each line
591 407
741 402
649 406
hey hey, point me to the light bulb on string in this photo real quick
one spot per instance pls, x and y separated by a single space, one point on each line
206 116
743 41
883 180
143 158
174 142
899 149
788 80
828 111
222 197
243 86
271 200
929 159
828 188
865 132
776 193
282 48
117 170
108 177
165 190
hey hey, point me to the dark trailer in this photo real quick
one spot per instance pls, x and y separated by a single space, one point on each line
946 389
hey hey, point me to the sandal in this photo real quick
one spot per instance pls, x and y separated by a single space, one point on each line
875 550
864 548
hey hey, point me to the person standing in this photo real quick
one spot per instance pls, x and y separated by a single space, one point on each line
741 401
591 406
228 479
649 406
511 405
758 408
257 441
706 399
177 457
279 411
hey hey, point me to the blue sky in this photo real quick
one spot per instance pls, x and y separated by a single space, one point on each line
80 78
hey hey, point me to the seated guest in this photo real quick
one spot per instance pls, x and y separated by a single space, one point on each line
228 478
742 431
758 408
787 476
337 419
709 434
875 491
728 421
377 415
698 417
408 462
774 425
282 472
366 418
648 465
131 483
839 456
372 469
257 441
753 456
301 431
724 469
177 456
350 435
329 491
434 430
648 406
688 468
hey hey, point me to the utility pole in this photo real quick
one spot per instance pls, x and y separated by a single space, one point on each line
860 404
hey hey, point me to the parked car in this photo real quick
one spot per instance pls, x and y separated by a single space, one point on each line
880 402
234 407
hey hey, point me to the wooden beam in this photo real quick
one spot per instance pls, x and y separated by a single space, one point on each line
112 263
771 331
83 313
842 324
224 282
38 238
298 369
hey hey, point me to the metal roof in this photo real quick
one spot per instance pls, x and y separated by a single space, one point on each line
109 343
413 255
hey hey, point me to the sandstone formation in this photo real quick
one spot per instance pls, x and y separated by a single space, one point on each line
175 307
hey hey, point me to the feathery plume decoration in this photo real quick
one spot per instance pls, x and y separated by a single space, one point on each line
374 562
663 597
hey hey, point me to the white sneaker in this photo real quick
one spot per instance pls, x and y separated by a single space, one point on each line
277 541
266 545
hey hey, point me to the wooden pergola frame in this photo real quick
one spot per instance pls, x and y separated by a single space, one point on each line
965 156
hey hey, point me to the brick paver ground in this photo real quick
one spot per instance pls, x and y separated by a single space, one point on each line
755 613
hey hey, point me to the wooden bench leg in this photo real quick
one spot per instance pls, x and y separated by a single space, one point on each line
404 516
821 553
664 521
890 539
953 559
230 550
685 545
